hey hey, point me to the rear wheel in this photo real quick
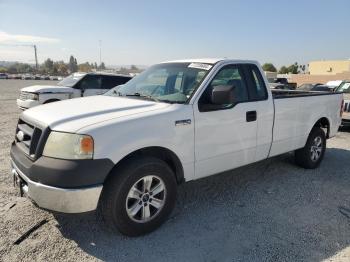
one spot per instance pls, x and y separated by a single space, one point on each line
311 155
139 197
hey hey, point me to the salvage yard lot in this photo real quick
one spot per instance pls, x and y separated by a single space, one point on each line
269 211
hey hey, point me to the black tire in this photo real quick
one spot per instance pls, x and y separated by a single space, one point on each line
304 156
116 189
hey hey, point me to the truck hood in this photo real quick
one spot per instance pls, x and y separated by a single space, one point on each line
74 114
46 89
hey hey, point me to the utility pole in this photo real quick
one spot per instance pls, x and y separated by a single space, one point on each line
99 41
35 52
36 59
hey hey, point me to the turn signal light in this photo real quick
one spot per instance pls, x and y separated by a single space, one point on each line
87 145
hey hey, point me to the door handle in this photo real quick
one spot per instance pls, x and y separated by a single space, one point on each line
251 116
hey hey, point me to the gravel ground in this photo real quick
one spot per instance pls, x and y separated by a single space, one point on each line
269 211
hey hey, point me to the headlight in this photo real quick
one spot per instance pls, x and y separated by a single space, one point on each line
29 96
33 96
69 146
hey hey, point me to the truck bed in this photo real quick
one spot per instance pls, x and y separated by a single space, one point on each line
295 114
278 94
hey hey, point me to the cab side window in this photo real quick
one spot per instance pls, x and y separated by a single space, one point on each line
91 82
230 75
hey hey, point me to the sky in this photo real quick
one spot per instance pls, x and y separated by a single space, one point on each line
147 32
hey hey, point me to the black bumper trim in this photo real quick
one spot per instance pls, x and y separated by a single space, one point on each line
60 172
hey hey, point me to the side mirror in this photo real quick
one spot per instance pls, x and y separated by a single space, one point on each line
222 95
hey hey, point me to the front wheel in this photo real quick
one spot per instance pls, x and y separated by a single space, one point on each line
139 196
311 155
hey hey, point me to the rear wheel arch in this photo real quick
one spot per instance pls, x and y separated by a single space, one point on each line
162 153
323 123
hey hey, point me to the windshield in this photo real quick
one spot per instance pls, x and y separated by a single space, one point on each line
71 80
344 87
168 82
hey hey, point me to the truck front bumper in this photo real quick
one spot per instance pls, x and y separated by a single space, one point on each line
68 186
66 200
25 104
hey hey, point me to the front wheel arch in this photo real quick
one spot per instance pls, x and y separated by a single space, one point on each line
162 153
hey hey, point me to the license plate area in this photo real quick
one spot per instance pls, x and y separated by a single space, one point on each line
19 184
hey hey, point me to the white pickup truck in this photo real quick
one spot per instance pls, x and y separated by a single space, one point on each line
75 85
127 150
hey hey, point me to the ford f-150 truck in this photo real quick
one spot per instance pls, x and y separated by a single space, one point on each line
75 85
127 151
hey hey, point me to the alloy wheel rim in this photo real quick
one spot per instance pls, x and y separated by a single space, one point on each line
145 199
316 149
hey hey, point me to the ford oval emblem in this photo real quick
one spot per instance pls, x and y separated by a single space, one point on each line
20 135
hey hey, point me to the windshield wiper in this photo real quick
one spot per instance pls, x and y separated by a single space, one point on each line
143 96
171 101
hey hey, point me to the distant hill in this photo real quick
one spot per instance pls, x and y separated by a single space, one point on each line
7 63
126 66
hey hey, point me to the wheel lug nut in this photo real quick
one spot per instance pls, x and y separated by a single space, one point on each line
145 204
140 202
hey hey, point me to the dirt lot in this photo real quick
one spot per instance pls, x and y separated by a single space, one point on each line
269 211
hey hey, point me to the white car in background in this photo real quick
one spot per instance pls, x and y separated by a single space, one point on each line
75 85
345 89
334 84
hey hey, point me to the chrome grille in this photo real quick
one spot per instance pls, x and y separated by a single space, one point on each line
27 137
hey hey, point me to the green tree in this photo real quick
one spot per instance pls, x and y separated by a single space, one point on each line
86 67
134 68
269 67
48 66
72 65
283 70
294 68
102 66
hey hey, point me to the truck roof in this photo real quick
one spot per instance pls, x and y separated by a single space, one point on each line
210 60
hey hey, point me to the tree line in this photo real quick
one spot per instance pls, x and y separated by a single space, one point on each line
291 69
50 67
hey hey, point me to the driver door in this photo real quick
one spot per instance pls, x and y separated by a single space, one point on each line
225 135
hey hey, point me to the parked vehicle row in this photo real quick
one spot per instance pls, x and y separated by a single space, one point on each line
29 77
315 87
126 151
